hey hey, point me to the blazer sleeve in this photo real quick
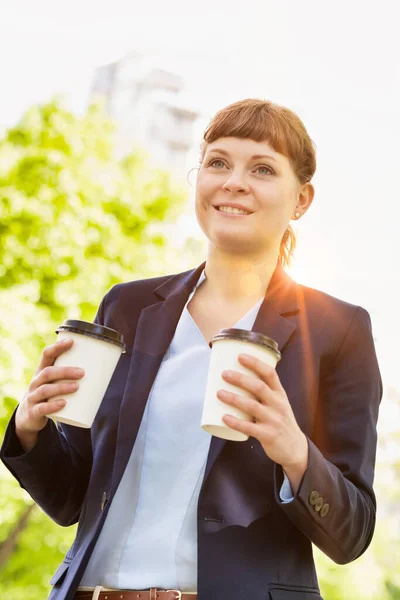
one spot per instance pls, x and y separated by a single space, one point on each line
56 471
335 504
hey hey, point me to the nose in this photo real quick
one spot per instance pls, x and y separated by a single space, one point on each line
235 184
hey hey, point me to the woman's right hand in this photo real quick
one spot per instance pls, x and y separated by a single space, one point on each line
31 415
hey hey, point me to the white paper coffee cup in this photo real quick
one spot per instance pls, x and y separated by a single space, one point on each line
97 350
226 347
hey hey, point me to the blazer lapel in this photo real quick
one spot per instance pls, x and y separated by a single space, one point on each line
155 330
272 320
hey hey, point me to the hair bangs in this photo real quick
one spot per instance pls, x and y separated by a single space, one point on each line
253 122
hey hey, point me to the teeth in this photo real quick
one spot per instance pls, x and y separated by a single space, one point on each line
230 209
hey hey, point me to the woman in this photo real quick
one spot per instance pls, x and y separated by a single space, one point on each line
161 504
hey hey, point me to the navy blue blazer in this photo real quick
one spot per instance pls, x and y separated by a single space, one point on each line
250 544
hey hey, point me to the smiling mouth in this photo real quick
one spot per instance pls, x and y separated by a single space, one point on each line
231 214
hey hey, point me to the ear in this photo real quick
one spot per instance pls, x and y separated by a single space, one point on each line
305 197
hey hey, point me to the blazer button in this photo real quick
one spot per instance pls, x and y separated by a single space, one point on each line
318 504
324 510
313 497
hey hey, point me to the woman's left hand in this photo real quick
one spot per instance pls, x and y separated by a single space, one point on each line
274 424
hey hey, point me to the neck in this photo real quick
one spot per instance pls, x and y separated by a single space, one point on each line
238 278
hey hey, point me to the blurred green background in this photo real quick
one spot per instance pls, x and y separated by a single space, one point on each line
75 220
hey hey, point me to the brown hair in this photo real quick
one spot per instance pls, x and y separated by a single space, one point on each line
261 120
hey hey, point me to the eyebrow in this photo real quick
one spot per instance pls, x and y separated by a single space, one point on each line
254 157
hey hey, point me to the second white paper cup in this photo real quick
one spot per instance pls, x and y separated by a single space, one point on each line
226 347
98 357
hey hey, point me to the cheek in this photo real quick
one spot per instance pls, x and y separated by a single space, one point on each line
201 198
205 188
282 199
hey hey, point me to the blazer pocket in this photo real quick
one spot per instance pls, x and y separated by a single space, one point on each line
283 593
59 575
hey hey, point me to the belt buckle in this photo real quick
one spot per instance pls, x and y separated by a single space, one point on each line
179 596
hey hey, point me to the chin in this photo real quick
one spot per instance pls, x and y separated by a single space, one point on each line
232 243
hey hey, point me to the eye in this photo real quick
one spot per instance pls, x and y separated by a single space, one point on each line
267 168
215 160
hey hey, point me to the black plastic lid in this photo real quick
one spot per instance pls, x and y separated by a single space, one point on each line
247 336
93 330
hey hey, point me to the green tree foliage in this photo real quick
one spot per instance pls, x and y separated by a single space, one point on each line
74 220
71 211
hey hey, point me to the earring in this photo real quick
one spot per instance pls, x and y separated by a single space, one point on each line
297 215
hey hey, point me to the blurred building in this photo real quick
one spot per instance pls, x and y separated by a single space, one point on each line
148 104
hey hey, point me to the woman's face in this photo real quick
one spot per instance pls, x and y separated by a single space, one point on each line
260 180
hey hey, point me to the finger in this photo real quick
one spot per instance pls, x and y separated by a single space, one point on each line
252 383
50 353
51 374
44 392
251 407
250 429
267 373
46 408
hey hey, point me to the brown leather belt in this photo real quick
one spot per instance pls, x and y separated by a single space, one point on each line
152 594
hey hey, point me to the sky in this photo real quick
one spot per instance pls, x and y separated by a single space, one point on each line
333 63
